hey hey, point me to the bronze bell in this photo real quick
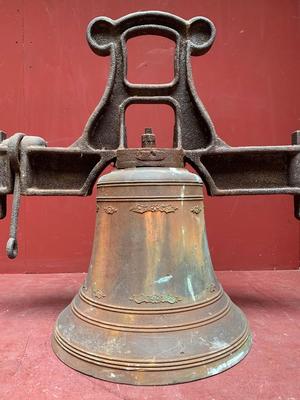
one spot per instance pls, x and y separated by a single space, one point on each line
151 310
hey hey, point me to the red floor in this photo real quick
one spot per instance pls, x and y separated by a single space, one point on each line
29 305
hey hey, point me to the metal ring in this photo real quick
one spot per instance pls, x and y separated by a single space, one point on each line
13 147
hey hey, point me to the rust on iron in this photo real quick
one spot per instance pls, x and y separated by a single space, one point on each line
73 170
151 310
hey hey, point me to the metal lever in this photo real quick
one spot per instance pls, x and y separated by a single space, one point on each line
13 149
2 196
12 243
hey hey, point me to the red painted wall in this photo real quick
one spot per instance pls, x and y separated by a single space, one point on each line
249 82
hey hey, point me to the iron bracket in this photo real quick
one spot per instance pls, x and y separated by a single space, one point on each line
29 167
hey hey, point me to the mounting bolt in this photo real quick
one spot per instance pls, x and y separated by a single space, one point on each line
148 138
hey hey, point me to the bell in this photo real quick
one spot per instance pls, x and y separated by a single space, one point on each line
151 310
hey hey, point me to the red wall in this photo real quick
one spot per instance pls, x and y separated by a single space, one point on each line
249 82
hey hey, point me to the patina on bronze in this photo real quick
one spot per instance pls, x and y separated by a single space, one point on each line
151 310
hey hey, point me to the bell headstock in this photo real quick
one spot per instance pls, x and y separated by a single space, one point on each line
29 167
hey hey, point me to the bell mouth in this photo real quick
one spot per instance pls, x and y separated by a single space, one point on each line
145 372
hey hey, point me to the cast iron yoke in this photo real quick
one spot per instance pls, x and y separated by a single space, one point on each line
29 167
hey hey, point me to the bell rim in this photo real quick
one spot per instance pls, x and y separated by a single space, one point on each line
138 377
